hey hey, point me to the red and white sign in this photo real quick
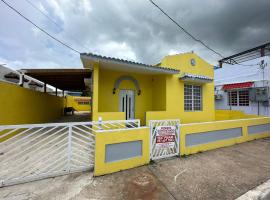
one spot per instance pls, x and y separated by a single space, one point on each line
165 137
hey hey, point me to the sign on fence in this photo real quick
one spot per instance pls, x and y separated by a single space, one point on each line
164 138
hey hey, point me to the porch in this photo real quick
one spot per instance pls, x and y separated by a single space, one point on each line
126 90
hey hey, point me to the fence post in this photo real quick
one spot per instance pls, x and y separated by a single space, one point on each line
150 127
69 150
100 123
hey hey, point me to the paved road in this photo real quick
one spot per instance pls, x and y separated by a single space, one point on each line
225 173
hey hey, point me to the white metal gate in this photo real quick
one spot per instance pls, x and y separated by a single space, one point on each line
36 151
165 138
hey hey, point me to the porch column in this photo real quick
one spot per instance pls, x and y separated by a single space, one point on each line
94 98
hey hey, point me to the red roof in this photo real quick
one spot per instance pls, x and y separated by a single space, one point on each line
237 85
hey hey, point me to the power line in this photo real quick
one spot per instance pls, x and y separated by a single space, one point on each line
58 26
193 37
187 32
43 13
41 29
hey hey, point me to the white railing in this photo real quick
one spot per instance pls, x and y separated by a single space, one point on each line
36 151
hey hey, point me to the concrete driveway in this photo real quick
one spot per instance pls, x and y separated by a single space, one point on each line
225 173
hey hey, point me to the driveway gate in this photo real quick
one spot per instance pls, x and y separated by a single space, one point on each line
165 138
36 151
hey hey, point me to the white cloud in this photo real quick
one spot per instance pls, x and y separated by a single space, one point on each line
128 29
118 50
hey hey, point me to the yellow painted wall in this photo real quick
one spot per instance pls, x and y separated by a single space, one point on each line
159 93
72 101
194 128
175 90
113 137
24 106
163 94
232 114
109 102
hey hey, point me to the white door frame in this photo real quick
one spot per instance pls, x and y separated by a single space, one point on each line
127 103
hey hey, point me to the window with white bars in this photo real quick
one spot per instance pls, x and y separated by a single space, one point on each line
238 98
192 97
243 97
232 98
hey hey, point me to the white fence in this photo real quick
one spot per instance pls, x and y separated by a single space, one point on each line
36 151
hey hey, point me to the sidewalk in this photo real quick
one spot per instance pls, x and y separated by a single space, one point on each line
225 173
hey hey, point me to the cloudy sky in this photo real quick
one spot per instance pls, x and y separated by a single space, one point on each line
128 29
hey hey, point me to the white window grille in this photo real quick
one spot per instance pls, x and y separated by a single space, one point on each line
238 98
192 97
243 98
232 98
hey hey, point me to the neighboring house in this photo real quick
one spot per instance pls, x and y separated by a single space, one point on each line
244 86
180 86
78 103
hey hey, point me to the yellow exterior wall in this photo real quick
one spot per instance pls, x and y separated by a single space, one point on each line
72 101
109 102
194 128
175 90
114 137
232 114
24 106
162 96
95 76
159 93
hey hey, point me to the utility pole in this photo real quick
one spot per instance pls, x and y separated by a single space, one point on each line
262 67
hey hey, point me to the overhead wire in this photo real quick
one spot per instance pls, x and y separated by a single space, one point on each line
57 25
41 29
190 34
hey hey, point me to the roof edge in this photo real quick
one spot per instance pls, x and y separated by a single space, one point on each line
158 68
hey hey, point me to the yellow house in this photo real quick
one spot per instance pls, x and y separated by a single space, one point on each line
78 103
180 86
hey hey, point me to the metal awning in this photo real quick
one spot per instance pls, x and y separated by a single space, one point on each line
64 79
237 86
253 53
195 78
124 65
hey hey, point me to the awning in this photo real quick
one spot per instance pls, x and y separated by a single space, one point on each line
195 78
65 79
124 65
237 85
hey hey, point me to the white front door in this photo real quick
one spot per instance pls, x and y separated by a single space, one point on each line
126 103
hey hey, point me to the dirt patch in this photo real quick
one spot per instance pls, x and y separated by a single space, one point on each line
141 186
